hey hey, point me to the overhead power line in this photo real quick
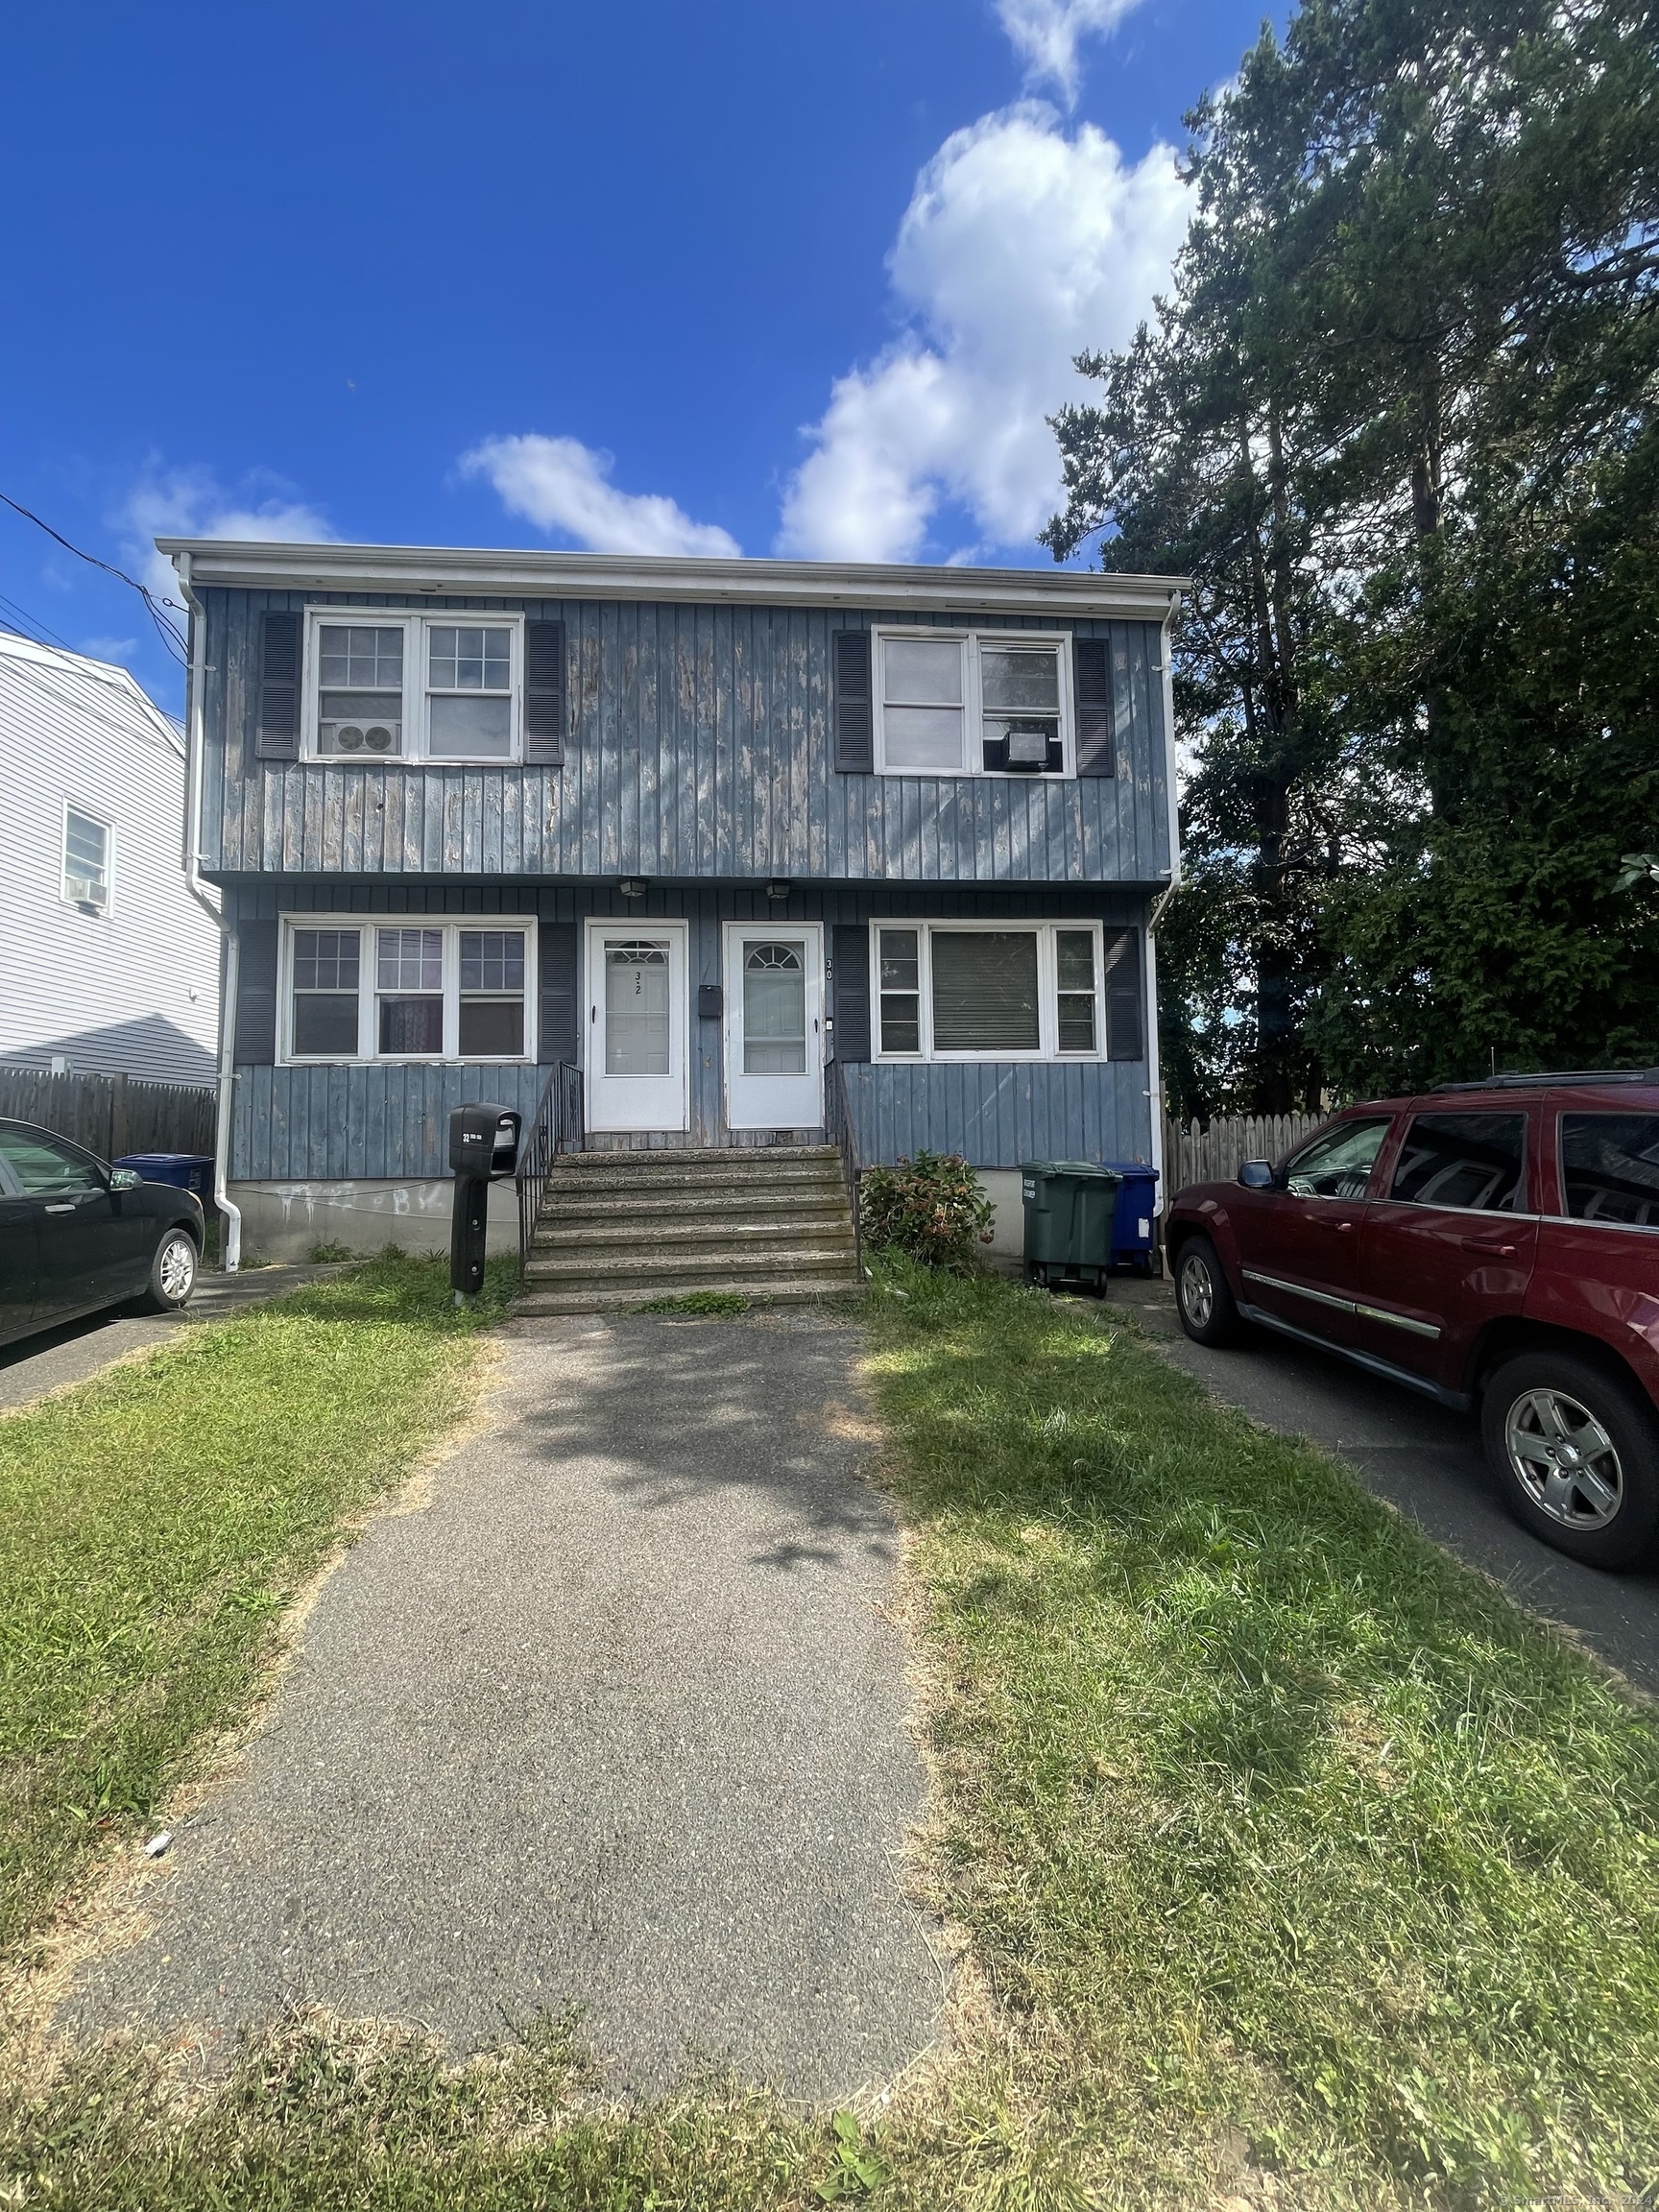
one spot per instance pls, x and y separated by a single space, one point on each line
169 632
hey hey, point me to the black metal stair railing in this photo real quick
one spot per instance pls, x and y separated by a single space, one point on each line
838 1128
557 1128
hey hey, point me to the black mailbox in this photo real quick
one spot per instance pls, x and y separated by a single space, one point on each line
710 1002
483 1142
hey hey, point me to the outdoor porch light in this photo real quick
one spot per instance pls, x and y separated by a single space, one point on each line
633 886
780 887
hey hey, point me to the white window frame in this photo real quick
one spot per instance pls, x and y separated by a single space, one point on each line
972 642
415 624
368 967
95 815
1047 987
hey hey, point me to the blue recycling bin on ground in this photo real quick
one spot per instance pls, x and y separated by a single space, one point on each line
184 1171
1135 1218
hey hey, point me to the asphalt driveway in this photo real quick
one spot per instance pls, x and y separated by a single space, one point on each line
1423 1461
618 1719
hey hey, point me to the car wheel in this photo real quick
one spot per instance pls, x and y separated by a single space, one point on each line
172 1274
1577 1453
1205 1304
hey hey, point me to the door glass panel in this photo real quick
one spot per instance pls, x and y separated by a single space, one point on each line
1471 1160
1337 1165
1610 1167
637 1009
45 1169
774 1010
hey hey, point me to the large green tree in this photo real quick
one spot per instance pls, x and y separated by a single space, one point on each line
1397 417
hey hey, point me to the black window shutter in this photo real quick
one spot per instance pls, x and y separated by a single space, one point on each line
1124 998
278 737
1092 689
852 705
546 682
559 1033
256 994
851 955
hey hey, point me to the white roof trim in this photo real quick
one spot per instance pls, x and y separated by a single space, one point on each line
476 573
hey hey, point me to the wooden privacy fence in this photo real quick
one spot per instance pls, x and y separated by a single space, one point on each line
1193 1153
111 1114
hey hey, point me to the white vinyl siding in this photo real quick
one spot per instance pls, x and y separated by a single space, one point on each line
131 987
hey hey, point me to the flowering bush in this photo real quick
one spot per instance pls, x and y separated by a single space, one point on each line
929 1207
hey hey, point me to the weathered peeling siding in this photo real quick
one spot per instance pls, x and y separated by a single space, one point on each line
701 749
366 1123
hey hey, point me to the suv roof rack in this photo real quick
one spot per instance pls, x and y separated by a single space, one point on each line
1511 1081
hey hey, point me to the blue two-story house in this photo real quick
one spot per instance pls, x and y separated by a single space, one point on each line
695 828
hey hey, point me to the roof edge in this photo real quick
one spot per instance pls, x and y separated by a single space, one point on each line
478 572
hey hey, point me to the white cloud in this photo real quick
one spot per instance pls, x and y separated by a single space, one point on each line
560 484
192 503
118 649
1021 247
1046 32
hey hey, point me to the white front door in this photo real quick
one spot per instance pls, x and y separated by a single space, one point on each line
773 1026
636 1024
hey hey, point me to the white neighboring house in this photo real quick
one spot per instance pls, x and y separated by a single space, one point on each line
107 962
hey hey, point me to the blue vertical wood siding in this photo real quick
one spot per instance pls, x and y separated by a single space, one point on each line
304 1125
702 748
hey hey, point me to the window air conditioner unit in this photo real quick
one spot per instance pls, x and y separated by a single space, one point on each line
87 892
1028 748
361 738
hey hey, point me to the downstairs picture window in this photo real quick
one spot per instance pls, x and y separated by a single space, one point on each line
407 991
1015 991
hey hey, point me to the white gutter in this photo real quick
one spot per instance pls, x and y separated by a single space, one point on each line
1155 1079
229 947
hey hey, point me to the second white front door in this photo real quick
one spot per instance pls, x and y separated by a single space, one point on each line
636 1021
773 1026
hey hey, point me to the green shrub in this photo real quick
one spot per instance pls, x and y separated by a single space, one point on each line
929 1207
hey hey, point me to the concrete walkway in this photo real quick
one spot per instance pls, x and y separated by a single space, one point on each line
618 1719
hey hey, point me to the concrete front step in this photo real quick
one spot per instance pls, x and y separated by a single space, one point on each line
618 1227
652 1267
554 1235
643 1213
783 1291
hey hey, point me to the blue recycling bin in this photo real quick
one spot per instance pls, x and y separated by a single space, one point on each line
1135 1219
184 1171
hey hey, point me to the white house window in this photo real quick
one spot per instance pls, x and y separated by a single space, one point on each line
402 991
413 687
86 860
360 691
1020 991
468 692
971 704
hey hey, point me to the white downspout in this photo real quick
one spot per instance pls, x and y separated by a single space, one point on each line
230 947
1154 1073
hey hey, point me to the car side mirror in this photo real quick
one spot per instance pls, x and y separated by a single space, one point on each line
125 1179
1255 1174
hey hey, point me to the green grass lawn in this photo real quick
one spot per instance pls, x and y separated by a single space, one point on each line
1294 1867
154 1519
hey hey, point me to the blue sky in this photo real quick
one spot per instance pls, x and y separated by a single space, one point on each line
757 276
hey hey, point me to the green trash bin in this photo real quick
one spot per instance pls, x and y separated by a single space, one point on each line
1069 1209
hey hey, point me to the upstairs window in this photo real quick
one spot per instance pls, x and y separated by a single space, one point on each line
85 861
407 991
413 689
971 704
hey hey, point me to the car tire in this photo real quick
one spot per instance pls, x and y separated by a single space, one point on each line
172 1274
1209 1312
1576 1451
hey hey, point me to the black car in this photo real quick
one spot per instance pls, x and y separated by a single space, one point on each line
77 1234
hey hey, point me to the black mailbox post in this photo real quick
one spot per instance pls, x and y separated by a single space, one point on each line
483 1149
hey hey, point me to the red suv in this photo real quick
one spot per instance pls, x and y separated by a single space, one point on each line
1492 1244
